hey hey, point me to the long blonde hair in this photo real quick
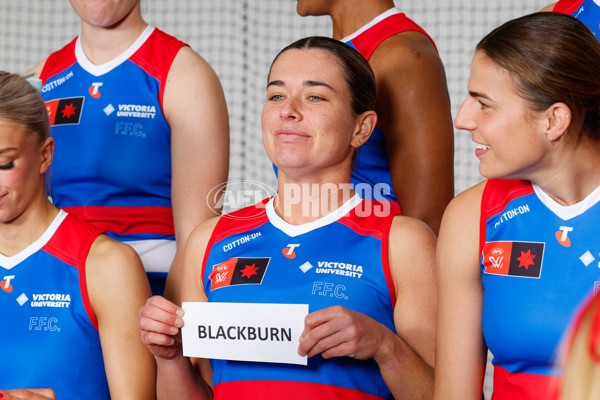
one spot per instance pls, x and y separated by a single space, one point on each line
581 361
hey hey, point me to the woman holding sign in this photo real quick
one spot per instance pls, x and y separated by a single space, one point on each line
517 255
366 274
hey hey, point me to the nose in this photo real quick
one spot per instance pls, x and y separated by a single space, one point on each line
290 110
464 118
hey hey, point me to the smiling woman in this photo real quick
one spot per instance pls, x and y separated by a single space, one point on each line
317 242
513 253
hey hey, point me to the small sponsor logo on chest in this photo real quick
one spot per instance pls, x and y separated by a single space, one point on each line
54 300
136 111
339 268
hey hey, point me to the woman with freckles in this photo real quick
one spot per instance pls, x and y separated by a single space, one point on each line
518 252
375 341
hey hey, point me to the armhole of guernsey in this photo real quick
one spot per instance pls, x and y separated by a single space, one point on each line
567 6
155 57
234 222
370 36
58 61
496 195
77 253
378 227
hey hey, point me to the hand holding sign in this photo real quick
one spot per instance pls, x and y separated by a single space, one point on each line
244 331
160 323
337 331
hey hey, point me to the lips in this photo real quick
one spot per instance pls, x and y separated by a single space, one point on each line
291 135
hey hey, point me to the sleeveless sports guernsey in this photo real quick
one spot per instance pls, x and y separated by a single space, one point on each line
372 165
339 259
539 262
112 162
587 11
49 330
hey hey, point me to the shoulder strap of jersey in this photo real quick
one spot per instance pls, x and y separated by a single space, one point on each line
71 244
567 6
235 222
59 61
367 41
496 194
156 56
374 218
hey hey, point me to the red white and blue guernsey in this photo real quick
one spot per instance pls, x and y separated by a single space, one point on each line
372 164
112 162
539 261
339 259
587 11
49 330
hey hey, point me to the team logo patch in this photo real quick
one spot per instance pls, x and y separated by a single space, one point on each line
94 90
562 235
65 111
238 271
289 252
522 259
5 284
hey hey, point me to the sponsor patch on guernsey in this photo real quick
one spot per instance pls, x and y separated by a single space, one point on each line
522 259
53 300
65 111
136 111
339 268
238 271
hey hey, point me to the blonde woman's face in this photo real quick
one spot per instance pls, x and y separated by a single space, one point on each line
21 170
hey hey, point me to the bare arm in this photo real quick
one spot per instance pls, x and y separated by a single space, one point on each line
195 109
160 321
414 112
118 287
36 70
460 346
549 7
405 359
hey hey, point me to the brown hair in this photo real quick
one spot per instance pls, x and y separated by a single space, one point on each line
552 58
20 103
356 69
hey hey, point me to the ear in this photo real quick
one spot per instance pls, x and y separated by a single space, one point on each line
366 123
46 154
558 117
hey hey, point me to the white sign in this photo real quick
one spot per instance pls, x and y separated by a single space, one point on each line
244 331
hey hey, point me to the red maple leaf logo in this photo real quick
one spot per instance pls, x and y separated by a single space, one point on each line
526 259
68 111
249 270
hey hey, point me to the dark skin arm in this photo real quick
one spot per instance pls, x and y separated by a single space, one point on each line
414 112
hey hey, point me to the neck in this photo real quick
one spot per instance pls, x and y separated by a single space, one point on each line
301 201
349 16
573 175
19 233
101 44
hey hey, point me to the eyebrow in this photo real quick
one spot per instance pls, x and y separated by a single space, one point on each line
7 149
481 95
308 83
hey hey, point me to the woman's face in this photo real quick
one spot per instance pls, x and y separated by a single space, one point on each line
22 165
103 13
510 138
307 119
